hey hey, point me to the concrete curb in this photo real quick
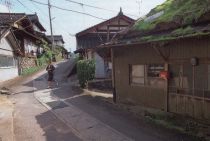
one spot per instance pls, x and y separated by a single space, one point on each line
107 126
82 136
93 93
62 120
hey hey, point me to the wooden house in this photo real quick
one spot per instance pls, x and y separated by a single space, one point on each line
29 33
9 51
26 29
163 61
89 39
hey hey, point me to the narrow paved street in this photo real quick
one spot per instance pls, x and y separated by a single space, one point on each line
34 122
67 113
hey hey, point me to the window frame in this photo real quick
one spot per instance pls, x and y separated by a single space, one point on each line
131 77
145 77
7 59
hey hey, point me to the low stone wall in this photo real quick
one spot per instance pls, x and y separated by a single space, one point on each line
27 62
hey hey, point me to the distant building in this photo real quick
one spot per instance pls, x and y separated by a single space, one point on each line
89 39
58 40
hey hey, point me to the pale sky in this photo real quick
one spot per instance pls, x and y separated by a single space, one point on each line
68 22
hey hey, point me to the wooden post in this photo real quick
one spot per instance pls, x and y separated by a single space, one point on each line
193 92
108 34
113 76
166 89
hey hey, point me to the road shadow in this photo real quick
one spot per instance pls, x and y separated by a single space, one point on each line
54 129
99 107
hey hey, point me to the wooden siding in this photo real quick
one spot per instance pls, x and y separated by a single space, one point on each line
176 53
142 95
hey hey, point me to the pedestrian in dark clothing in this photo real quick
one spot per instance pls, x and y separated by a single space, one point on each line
50 69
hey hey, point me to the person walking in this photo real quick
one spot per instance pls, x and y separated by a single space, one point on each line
50 69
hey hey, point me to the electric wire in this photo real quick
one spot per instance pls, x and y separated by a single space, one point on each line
70 10
24 6
100 8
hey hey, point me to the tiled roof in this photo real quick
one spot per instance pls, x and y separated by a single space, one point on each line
9 18
56 38
119 16
35 19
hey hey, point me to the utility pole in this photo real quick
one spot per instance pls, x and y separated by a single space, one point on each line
139 2
51 30
8 4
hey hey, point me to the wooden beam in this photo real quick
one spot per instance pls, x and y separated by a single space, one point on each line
101 39
110 30
118 25
108 34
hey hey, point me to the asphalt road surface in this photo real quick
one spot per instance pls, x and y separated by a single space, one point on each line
67 113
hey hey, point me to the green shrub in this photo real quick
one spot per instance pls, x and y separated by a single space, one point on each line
28 71
43 59
85 71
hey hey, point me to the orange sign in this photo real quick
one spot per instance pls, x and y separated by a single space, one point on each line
164 75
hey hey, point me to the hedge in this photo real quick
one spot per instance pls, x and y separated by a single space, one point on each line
85 71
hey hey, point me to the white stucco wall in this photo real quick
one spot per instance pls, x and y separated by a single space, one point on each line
100 67
7 73
5 48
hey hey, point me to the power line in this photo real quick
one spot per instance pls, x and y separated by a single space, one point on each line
46 16
91 6
27 9
64 9
24 6
38 8
82 4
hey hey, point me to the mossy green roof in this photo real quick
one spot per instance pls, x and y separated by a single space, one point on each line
179 11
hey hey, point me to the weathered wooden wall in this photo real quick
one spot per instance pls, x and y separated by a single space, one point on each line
143 95
177 52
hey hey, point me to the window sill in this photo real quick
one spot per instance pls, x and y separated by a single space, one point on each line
137 85
145 86
7 67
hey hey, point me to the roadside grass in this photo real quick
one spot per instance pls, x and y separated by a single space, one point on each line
32 70
198 130
181 124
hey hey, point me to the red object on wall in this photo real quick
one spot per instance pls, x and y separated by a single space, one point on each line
164 75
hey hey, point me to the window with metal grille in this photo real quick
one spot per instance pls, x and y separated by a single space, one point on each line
190 80
7 61
146 75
